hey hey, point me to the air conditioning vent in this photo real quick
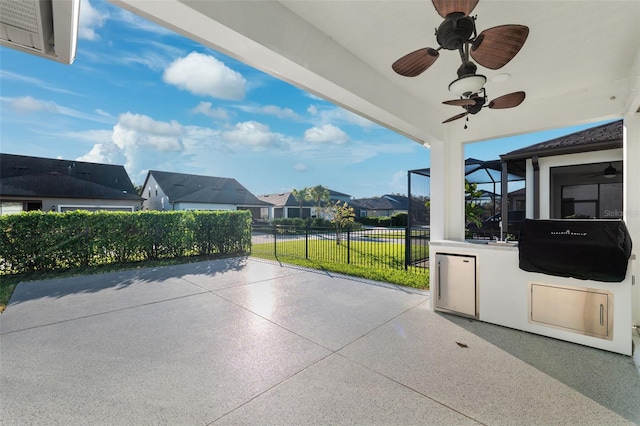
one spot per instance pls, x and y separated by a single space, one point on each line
47 28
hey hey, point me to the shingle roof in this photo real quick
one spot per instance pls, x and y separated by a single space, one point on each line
287 199
186 188
386 202
26 176
605 136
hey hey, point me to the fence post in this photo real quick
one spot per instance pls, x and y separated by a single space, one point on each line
407 246
348 246
275 237
306 242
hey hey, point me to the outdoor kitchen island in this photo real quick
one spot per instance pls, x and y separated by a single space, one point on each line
588 312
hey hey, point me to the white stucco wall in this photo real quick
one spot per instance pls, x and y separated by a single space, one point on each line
203 206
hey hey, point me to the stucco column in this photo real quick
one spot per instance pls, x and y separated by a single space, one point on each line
447 191
631 203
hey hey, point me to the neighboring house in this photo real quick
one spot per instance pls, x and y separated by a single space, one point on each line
34 183
179 191
285 204
386 205
577 175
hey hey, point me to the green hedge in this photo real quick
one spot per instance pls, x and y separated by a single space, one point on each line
37 241
397 220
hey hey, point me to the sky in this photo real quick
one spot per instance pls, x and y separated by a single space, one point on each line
141 96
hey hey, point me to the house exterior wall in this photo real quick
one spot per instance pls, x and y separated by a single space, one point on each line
631 203
71 204
155 198
203 206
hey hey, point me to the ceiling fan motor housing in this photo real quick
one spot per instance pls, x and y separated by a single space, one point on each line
456 30
480 101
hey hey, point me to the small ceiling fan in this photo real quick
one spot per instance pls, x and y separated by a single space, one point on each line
475 102
609 171
493 48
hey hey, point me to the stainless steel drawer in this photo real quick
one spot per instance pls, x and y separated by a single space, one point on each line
580 310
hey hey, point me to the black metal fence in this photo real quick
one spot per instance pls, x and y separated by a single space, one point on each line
369 247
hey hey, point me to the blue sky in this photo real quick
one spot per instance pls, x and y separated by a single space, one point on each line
144 97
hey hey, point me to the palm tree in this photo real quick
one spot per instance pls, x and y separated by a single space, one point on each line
319 194
301 196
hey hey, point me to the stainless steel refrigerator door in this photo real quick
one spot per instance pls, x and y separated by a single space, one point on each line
456 284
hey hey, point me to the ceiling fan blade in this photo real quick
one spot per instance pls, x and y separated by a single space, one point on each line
415 63
460 102
495 47
507 101
455 117
445 7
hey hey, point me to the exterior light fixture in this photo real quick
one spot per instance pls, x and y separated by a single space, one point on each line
610 172
467 85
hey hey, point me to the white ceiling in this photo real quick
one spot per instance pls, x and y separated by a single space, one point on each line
580 63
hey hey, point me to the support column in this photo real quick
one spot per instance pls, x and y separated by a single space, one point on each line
631 203
447 191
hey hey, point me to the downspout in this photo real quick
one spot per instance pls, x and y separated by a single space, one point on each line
504 198
536 187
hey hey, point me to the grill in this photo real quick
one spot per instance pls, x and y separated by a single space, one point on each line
597 250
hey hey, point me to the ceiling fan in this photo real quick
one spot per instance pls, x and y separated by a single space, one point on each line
609 172
476 101
493 48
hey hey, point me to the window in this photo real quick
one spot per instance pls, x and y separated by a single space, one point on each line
8 207
595 201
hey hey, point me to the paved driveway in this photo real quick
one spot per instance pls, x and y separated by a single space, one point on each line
243 341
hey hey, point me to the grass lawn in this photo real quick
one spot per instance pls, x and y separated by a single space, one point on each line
372 260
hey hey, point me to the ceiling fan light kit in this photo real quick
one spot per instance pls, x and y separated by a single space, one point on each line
610 172
492 48
467 85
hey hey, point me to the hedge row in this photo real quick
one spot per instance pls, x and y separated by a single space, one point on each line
37 241
396 220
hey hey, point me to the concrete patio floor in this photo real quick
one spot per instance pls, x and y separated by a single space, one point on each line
244 341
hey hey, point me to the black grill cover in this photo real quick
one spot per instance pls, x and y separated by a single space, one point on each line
596 250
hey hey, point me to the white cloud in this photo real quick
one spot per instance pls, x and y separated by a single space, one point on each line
327 133
141 24
47 85
274 110
31 105
218 113
398 182
299 167
337 114
90 19
108 153
28 105
103 113
252 133
135 130
204 75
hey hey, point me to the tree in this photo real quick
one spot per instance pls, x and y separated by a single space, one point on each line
301 196
343 215
472 209
319 194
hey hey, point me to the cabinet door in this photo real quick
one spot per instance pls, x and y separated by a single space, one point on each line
456 284
580 310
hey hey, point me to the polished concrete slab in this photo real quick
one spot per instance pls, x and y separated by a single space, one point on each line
245 341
